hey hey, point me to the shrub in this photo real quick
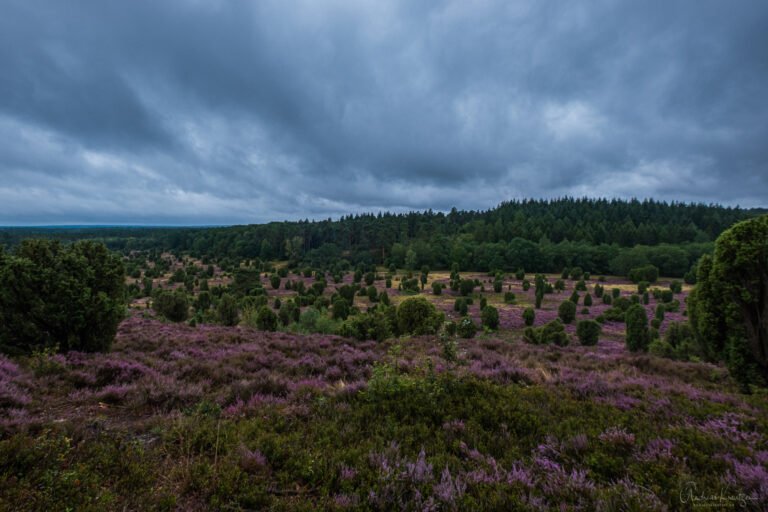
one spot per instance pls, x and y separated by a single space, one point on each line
574 297
497 285
289 313
642 286
266 319
616 292
588 332
460 306
576 273
676 286
173 305
416 315
581 286
490 317
526 285
607 299
529 316
274 280
374 325
509 298
598 290
466 287
567 311
340 309
551 332
466 328
437 288
638 336
520 274
588 300
227 310
50 294
667 296
648 273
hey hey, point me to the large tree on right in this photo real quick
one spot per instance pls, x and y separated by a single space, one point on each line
728 309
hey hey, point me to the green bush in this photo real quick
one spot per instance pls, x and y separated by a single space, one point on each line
510 298
588 300
648 273
70 296
638 336
466 328
588 332
552 332
466 287
227 310
490 317
417 315
529 316
340 309
173 305
266 319
567 311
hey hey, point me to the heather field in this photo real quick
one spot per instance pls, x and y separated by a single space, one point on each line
202 416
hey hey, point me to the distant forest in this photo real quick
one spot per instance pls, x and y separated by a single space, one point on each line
599 235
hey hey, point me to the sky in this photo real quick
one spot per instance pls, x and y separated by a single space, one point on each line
208 112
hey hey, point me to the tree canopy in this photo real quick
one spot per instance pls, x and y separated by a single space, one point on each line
55 295
729 306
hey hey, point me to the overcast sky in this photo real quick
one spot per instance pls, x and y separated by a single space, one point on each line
220 112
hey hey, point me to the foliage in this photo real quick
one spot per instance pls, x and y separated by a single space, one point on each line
173 305
638 336
55 295
729 305
417 315
466 327
552 332
227 310
588 332
266 319
529 316
489 316
567 311
646 273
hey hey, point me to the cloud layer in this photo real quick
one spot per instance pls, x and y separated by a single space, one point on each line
214 112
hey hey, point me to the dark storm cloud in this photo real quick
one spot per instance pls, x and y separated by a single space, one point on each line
193 111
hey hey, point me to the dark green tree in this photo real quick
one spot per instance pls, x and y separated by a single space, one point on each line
567 311
729 305
588 331
417 315
490 317
529 316
638 336
173 305
227 310
52 295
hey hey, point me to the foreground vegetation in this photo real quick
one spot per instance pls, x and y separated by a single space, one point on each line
212 417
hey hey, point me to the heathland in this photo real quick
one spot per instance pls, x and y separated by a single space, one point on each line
571 355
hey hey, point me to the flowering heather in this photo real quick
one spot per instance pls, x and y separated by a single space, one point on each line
213 417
